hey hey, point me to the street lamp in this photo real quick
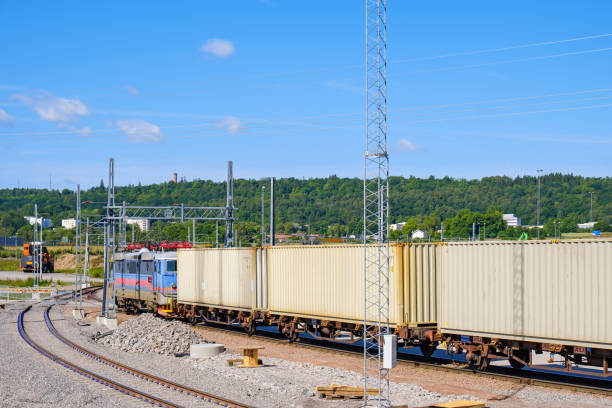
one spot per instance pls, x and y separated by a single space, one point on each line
539 171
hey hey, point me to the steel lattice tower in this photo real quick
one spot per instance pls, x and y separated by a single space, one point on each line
376 208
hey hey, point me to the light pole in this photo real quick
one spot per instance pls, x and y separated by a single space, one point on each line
263 231
539 171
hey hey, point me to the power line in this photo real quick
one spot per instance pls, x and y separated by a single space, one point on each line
434 57
512 47
297 121
487 64
510 114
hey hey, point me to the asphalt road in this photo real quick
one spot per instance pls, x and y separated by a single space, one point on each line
19 275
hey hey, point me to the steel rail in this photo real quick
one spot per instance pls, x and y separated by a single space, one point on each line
141 374
86 373
435 363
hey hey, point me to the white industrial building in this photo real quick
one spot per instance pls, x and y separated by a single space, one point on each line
45 222
397 227
143 223
587 225
419 234
512 220
69 223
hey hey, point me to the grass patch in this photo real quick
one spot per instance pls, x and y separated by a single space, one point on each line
23 283
95 272
9 265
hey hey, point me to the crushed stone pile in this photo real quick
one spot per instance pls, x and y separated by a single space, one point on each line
151 334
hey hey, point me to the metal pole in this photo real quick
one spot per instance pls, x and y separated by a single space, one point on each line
40 254
77 242
35 246
86 271
193 234
473 231
376 211
442 231
106 265
591 193
217 234
229 208
538 213
272 213
263 231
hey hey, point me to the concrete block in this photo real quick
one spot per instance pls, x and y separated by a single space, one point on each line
110 323
78 314
205 350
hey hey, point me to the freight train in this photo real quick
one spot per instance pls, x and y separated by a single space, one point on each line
491 300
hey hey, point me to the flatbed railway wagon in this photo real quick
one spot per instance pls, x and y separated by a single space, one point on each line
307 289
500 299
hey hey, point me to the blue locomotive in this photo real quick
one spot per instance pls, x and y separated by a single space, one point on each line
145 281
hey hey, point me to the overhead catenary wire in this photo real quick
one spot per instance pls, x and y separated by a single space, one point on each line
294 121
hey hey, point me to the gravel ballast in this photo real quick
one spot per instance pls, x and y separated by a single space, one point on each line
29 379
148 333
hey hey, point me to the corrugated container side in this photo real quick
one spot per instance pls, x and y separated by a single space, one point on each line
223 277
186 260
420 274
533 291
326 282
262 279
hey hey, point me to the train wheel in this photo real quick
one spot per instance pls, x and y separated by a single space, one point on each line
523 355
483 364
250 328
427 349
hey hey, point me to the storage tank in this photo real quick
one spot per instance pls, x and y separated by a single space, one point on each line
540 291
220 277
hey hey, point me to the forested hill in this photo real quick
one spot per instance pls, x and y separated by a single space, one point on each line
321 202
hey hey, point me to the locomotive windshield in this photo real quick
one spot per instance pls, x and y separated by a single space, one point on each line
171 266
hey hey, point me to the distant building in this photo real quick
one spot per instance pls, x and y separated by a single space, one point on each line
587 225
46 222
69 223
143 223
419 234
397 227
512 220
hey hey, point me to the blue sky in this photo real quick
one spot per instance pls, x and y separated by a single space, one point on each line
474 89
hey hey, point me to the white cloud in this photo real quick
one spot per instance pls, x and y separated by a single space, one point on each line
53 109
5 118
407 146
83 132
140 131
132 90
230 123
218 47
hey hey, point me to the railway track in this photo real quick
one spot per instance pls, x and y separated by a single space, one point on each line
119 386
528 377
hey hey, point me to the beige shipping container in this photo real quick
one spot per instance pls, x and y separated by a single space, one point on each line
542 291
222 277
326 282
420 274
